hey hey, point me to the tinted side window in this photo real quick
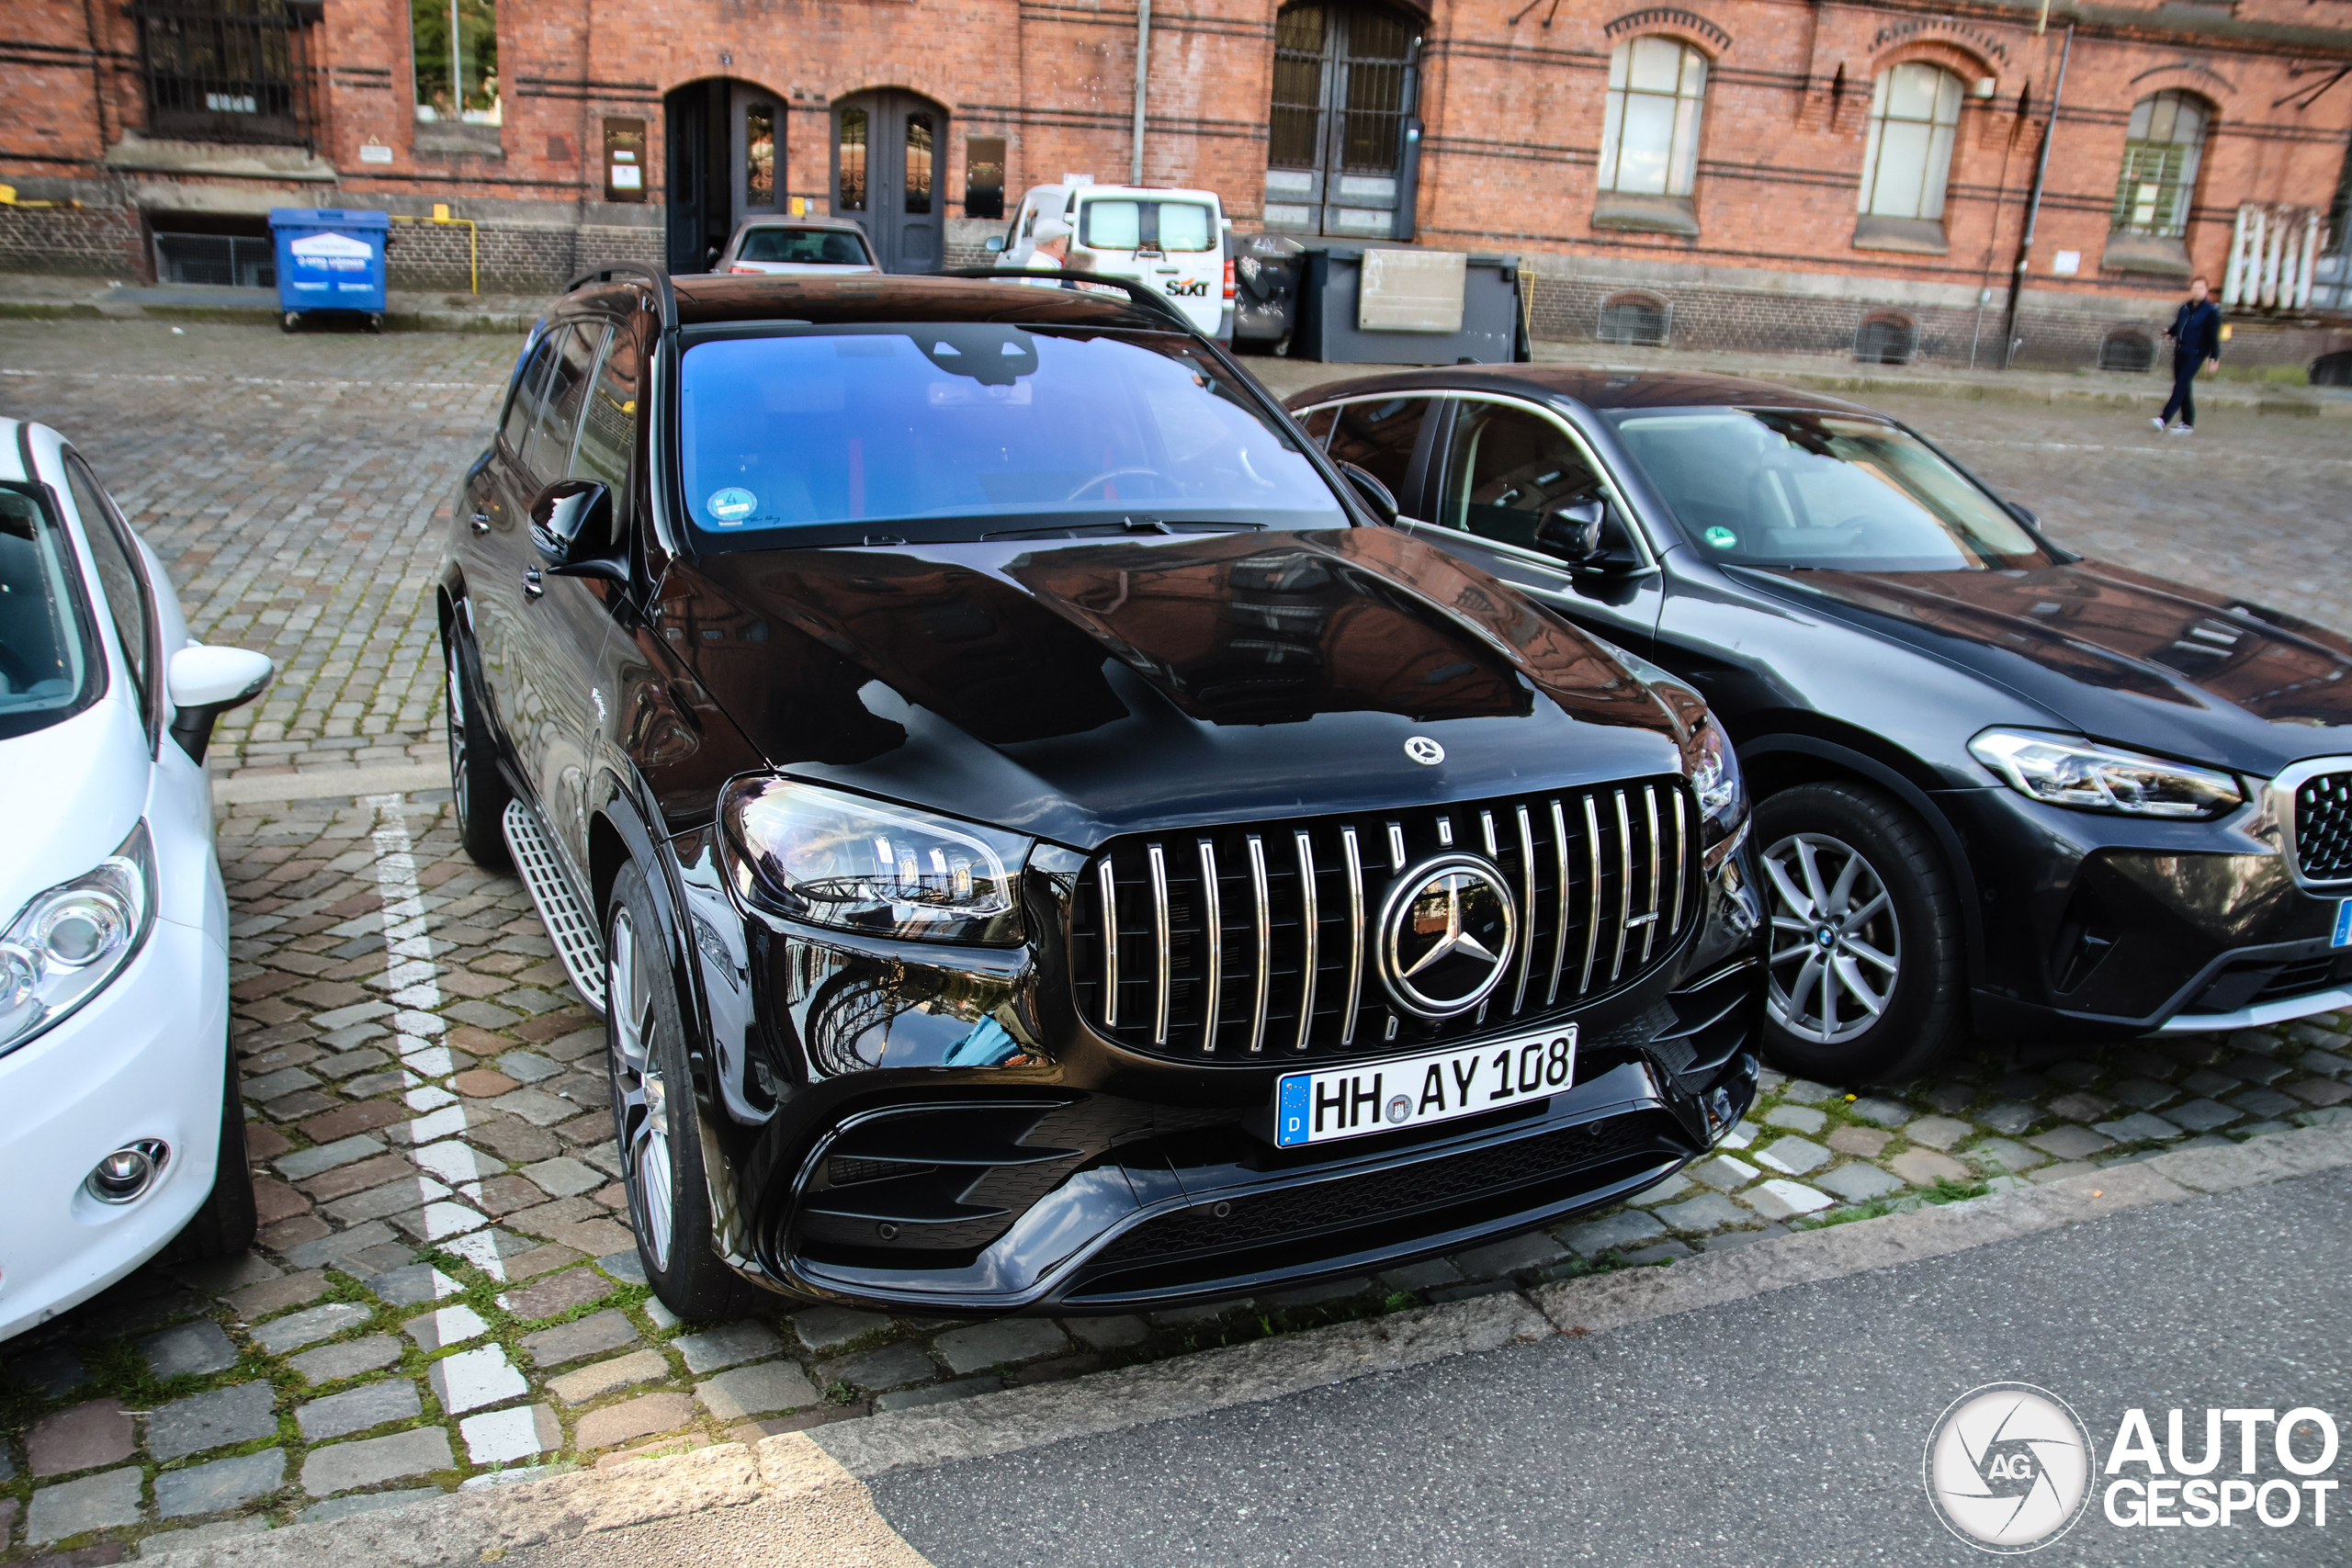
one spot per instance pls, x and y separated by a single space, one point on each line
118 572
1506 470
1378 436
608 421
1318 423
549 455
528 387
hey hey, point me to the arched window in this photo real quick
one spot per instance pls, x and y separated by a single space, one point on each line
2129 350
1889 337
2159 174
1639 320
1913 111
1649 140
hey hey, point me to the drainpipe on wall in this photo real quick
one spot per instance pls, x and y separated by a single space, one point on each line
2033 206
1143 76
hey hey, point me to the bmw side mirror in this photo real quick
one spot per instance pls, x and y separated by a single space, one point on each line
995 244
571 528
205 682
1573 533
1375 496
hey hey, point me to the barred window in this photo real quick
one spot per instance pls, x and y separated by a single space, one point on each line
2127 349
1638 319
1915 110
2159 173
1887 338
1649 137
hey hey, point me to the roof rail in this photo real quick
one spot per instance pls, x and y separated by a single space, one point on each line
658 276
1143 294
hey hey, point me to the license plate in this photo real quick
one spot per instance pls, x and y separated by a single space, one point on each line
2343 923
1413 1091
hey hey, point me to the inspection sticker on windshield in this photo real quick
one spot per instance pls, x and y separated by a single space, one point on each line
2343 923
730 505
1381 1096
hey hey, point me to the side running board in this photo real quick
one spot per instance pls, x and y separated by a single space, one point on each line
577 941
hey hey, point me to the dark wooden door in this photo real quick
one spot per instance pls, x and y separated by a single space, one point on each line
889 154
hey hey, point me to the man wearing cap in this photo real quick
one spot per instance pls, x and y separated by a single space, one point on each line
1052 254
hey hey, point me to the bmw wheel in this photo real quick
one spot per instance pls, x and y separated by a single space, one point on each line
1865 968
657 1120
476 786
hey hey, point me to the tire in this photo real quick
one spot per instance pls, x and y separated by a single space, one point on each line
1893 929
657 1119
476 786
224 1226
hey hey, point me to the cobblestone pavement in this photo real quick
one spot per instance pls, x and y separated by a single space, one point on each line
446 1291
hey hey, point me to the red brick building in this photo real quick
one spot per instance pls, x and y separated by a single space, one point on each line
1799 173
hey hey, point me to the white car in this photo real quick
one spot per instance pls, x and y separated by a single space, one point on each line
1173 239
121 1133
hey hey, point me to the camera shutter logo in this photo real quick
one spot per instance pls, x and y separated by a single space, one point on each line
2010 1467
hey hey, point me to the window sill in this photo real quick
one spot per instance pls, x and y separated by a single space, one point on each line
1913 236
444 138
2146 254
1645 214
139 154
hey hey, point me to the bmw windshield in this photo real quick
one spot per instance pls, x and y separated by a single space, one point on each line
1771 487
965 431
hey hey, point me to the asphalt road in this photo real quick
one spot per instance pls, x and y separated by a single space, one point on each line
1787 1430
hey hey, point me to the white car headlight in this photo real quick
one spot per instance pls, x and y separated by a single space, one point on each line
1723 794
67 943
835 859
2064 771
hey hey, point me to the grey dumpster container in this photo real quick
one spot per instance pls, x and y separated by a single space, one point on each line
1267 269
1410 315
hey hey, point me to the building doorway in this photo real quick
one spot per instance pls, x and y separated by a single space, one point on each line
1345 80
726 153
889 154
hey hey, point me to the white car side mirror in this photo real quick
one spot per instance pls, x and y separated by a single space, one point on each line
201 676
204 682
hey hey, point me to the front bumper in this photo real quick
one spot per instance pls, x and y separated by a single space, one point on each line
1019 1161
2108 928
144 1059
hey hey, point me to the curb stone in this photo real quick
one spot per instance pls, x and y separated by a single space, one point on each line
830 1469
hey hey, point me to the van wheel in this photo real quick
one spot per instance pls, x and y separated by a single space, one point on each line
656 1118
224 1226
1865 973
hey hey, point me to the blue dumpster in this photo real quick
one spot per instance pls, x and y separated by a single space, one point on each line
329 259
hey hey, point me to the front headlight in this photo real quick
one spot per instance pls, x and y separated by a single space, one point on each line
835 859
66 943
1723 796
2062 771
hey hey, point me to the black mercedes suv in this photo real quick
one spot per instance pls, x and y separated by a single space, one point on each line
1036 843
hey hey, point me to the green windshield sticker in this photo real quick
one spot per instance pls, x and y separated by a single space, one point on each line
1721 537
730 506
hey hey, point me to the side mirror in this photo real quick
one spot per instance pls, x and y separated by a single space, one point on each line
1573 533
205 682
1377 496
2024 516
995 244
710 259
571 528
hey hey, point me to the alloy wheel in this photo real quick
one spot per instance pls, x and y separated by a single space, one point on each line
454 722
639 1095
1836 945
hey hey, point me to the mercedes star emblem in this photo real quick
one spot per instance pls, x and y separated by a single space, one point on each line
1447 931
1424 750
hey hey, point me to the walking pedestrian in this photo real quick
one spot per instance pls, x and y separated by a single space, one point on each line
2196 333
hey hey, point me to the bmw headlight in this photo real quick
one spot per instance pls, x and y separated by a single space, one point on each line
67 943
1723 796
835 859
2062 771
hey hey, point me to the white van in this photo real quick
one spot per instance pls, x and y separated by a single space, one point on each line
1173 239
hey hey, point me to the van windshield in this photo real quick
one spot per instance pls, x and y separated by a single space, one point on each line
1120 223
48 668
1772 487
964 429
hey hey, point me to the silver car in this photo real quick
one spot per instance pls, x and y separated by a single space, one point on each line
799 246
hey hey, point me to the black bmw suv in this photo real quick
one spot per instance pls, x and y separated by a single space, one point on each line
1037 844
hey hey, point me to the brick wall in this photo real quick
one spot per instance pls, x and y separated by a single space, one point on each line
98 241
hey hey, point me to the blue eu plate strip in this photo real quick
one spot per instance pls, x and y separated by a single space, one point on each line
1290 1102
2344 923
